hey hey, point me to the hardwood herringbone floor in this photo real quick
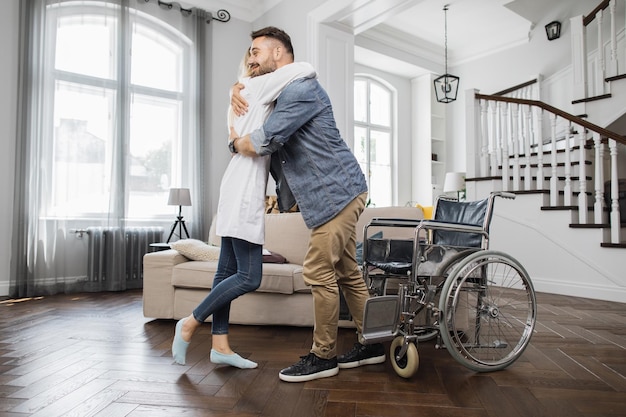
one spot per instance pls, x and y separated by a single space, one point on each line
96 355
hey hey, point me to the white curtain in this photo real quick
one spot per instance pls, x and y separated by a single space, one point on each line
109 119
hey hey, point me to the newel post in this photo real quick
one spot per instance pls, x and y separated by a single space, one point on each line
579 58
472 132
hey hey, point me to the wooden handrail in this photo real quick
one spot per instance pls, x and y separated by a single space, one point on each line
515 87
589 18
575 119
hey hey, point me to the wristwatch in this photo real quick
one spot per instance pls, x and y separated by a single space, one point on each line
231 145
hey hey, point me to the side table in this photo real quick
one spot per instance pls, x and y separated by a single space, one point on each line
156 247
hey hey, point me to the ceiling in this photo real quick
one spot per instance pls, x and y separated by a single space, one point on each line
416 27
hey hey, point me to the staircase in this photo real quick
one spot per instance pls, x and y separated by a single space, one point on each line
562 226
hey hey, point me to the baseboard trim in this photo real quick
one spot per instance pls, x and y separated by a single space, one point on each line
575 289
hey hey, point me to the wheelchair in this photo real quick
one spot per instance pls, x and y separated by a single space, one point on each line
441 282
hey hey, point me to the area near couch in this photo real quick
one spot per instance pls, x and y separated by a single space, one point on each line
174 285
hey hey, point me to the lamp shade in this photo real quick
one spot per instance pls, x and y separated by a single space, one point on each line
455 181
179 197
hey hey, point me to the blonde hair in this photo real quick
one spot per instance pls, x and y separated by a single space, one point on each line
244 69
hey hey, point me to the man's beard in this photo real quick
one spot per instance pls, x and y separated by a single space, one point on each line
261 69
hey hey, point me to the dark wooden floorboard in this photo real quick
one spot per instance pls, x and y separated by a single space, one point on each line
96 355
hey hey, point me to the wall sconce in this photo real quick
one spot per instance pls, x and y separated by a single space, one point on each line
553 30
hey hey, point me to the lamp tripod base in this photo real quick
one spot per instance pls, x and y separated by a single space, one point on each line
181 226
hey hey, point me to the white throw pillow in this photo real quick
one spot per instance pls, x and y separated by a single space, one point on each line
196 250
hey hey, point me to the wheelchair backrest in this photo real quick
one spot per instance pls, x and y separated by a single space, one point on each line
473 213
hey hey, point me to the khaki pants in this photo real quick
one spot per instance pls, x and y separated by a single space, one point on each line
330 264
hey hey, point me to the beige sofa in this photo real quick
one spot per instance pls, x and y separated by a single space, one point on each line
174 285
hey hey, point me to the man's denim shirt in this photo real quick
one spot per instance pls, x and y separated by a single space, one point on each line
323 174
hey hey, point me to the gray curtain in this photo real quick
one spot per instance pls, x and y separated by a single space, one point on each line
74 175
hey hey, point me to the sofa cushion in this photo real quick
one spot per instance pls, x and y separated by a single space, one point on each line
277 278
196 250
286 233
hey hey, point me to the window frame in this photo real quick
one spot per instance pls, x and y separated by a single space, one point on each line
369 126
123 91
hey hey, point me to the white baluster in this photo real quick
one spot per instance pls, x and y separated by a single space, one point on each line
539 143
516 147
598 205
493 139
554 179
582 177
527 138
567 189
579 58
614 66
599 81
504 139
615 216
484 143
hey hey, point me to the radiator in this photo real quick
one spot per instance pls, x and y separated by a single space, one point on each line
116 255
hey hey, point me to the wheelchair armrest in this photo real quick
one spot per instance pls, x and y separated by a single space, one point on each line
393 222
503 194
452 227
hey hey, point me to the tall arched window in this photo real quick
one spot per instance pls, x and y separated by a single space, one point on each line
109 120
116 113
373 134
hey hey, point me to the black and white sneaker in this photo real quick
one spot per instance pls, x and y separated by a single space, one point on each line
362 355
309 368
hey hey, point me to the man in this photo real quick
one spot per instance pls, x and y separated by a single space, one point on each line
330 190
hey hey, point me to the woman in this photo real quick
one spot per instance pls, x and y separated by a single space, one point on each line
240 221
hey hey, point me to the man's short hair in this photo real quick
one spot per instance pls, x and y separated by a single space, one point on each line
274 33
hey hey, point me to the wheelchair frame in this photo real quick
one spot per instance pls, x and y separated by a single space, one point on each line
478 303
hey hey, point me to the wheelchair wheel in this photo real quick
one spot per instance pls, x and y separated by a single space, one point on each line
407 365
424 335
430 331
488 309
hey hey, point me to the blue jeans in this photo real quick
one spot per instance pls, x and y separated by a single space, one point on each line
239 271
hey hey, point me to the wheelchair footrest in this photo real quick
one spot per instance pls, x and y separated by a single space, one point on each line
380 319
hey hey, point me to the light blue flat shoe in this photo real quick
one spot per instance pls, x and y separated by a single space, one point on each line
179 346
232 360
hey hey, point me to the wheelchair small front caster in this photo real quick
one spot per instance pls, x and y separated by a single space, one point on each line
406 366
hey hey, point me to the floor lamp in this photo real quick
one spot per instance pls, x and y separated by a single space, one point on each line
455 181
179 197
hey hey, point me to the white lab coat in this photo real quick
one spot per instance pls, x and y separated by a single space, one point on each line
241 207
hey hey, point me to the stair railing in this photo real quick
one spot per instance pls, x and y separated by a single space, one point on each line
505 137
595 50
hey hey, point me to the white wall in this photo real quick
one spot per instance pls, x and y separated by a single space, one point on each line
291 16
